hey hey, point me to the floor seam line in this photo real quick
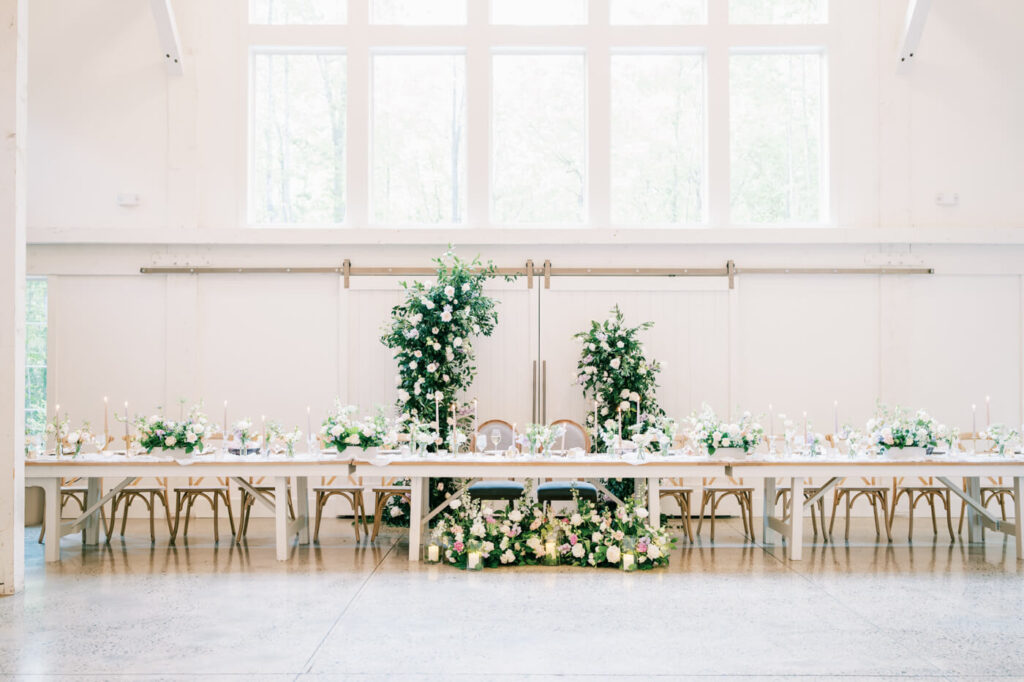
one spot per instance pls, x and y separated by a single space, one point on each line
309 662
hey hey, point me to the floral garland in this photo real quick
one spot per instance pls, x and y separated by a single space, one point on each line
431 334
528 535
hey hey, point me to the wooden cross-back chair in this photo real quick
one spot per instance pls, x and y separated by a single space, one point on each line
498 489
996 489
148 495
714 493
783 491
351 492
186 496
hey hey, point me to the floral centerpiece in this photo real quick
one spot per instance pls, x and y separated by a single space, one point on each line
287 439
58 429
897 429
186 435
80 437
663 431
529 535
243 431
431 335
713 434
1001 437
540 438
341 429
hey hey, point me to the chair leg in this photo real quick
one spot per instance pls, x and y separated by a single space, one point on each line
216 525
947 500
963 513
378 509
177 515
355 514
188 514
124 513
931 506
319 513
814 521
167 510
750 515
687 519
874 512
703 504
821 514
910 526
227 506
714 508
884 502
849 507
835 505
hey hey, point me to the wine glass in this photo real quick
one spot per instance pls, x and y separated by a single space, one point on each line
495 438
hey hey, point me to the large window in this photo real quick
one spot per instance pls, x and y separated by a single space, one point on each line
512 114
35 356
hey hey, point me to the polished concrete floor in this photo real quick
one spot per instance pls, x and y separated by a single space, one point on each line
928 609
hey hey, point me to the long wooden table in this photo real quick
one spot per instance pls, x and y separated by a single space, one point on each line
48 474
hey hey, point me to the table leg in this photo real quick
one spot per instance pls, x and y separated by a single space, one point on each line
654 501
92 525
51 513
975 531
1018 520
796 519
281 516
417 506
302 507
768 510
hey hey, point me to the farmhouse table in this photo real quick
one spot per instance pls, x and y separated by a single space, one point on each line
835 468
48 473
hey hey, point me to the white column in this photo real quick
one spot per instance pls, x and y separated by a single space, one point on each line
13 78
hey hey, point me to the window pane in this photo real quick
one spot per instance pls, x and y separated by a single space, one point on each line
539 134
539 12
419 12
419 138
298 138
298 11
777 11
35 345
776 130
657 12
657 139
35 301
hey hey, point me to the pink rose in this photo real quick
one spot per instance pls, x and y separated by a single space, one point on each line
573 539
641 547
459 546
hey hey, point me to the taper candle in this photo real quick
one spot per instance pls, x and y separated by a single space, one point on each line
620 426
437 411
974 421
225 427
106 422
771 421
309 422
638 411
988 412
805 427
127 437
835 417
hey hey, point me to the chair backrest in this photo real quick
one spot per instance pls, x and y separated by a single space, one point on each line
575 435
504 430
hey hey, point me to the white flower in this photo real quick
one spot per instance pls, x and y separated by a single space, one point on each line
478 529
620 344
154 419
449 291
446 316
403 395
432 367
413 365
642 513
624 394
578 550
615 363
614 554
508 557
418 354
634 396
353 439
476 329
337 430
488 547
191 438
576 520
457 342
171 441
515 516
653 552
73 437
428 303
396 511
624 405
465 287
596 537
455 504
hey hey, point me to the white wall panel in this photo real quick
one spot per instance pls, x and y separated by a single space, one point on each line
948 342
805 342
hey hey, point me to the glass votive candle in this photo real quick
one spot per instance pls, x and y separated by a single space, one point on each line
474 561
550 553
628 562
433 553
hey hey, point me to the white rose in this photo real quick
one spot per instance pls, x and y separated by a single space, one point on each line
198 428
457 342
620 344
191 438
634 396
403 396
596 537
337 430
449 291
73 437
615 363
653 552
413 365
578 550
455 504
353 439
395 511
515 516
576 520
614 554
418 354
465 287
432 367
171 441
642 513
446 316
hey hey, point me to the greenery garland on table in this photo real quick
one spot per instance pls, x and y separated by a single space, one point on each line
583 536
615 373
431 333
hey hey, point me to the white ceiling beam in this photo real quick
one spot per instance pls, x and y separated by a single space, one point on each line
913 28
167 29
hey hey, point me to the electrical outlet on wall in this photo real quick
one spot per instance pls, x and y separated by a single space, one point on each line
947 199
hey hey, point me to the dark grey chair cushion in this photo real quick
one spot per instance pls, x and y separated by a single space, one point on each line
561 491
496 490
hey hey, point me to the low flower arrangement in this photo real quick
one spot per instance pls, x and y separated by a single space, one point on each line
157 432
1001 436
539 438
897 428
710 432
528 536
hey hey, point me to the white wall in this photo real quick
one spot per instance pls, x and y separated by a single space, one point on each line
104 117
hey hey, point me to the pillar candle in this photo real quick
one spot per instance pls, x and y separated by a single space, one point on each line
433 553
627 560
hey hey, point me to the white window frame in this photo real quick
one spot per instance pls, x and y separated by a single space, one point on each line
479 40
